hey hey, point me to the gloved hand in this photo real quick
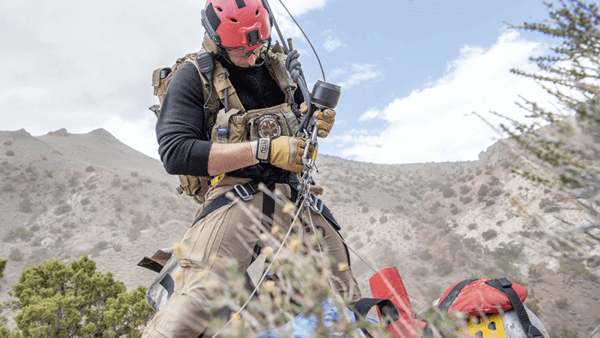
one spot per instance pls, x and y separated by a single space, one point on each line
284 152
325 119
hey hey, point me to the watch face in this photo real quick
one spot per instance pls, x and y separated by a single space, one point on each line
268 126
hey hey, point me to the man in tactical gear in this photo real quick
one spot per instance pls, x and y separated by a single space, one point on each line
239 135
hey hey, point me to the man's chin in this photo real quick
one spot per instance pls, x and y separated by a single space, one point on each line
249 62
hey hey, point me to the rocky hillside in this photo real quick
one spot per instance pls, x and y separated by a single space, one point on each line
63 195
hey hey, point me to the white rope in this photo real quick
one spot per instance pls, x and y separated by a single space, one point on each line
319 244
265 273
359 256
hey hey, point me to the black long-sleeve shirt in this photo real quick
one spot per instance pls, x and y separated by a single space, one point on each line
180 128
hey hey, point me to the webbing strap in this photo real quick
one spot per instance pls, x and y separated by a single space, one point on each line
255 253
325 212
213 99
221 84
245 191
386 308
223 314
251 188
168 283
329 216
504 285
268 208
276 66
445 303
268 211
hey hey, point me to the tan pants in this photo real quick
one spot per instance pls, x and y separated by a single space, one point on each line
230 232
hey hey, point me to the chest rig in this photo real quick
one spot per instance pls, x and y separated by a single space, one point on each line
240 125
236 124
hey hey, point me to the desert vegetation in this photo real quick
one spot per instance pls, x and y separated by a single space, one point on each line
530 215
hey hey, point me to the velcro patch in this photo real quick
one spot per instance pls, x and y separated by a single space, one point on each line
268 126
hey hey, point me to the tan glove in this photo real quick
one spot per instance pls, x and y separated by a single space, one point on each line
284 152
325 119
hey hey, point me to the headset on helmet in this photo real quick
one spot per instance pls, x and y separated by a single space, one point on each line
237 24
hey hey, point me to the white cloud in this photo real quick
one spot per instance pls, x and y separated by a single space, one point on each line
369 115
82 65
361 72
297 9
337 72
435 124
332 44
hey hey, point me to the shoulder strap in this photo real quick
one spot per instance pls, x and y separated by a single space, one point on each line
386 308
213 103
218 81
276 64
445 303
205 83
221 82
504 285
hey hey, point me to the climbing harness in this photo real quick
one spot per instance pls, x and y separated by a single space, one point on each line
264 275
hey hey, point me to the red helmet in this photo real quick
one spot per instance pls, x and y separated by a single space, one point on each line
238 24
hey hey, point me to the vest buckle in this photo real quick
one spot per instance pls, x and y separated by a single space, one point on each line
241 191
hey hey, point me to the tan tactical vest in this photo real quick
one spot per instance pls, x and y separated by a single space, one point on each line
236 125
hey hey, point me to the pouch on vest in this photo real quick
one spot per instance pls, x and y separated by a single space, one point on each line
229 127
193 186
161 78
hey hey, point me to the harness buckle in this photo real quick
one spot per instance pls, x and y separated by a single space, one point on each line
241 191
504 282
316 204
534 332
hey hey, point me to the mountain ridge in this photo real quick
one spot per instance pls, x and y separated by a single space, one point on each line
63 195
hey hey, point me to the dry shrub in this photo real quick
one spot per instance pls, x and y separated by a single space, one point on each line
561 303
62 209
16 255
301 280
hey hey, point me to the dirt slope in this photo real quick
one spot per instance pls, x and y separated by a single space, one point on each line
63 195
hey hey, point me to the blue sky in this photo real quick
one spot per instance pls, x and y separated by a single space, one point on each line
411 71
409 46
